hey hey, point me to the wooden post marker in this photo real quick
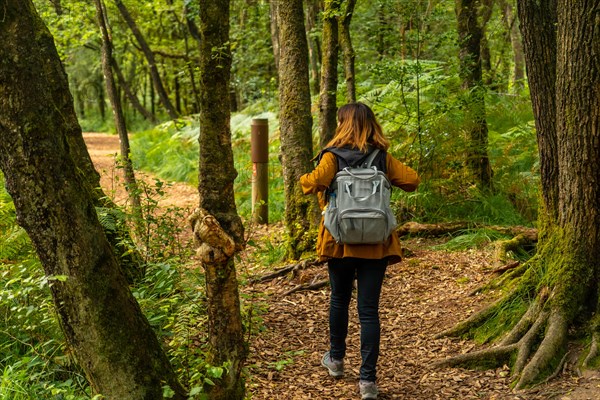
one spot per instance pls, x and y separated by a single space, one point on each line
259 150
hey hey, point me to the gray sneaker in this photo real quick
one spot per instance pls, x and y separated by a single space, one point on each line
368 390
335 367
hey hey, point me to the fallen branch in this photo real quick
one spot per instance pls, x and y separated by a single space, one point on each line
307 286
435 230
293 268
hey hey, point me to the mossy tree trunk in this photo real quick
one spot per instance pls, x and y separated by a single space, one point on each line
314 47
348 50
217 227
295 123
512 27
329 65
469 36
562 278
103 324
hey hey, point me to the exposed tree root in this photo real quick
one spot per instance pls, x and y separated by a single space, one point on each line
558 368
293 268
520 341
487 358
593 353
476 319
527 320
502 247
504 268
308 286
527 342
510 275
554 339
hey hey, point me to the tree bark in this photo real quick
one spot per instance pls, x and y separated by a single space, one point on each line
155 75
561 49
348 51
102 322
314 49
273 4
512 27
329 64
295 123
217 227
469 35
487 7
538 21
115 100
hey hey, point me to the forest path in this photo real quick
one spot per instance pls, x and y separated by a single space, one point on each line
104 148
426 293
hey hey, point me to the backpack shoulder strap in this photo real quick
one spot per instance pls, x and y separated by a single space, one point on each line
370 158
339 155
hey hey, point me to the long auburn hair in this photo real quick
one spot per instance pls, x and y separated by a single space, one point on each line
357 128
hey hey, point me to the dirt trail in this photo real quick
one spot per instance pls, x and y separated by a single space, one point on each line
427 292
104 149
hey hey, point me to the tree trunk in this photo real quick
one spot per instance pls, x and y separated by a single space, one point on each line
348 51
156 79
512 26
273 4
562 278
539 41
102 322
469 35
487 7
115 100
314 53
295 123
217 227
383 22
329 64
101 100
133 99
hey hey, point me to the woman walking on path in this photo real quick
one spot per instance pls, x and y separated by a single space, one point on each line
357 134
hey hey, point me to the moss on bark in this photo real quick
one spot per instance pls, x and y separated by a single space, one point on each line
301 213
103 324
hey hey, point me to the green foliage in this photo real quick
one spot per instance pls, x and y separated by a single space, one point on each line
34 359
504 318
170 151
268 250
469 239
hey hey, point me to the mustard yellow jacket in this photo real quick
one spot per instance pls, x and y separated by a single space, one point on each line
319 180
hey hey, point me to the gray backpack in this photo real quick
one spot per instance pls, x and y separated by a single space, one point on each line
359 210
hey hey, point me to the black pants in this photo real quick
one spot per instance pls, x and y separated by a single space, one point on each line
369 275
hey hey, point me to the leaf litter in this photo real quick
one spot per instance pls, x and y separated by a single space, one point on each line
429 291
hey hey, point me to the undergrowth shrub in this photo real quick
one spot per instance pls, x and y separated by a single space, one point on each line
35 361
420 108
170 150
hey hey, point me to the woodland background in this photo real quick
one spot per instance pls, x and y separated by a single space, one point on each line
410 69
